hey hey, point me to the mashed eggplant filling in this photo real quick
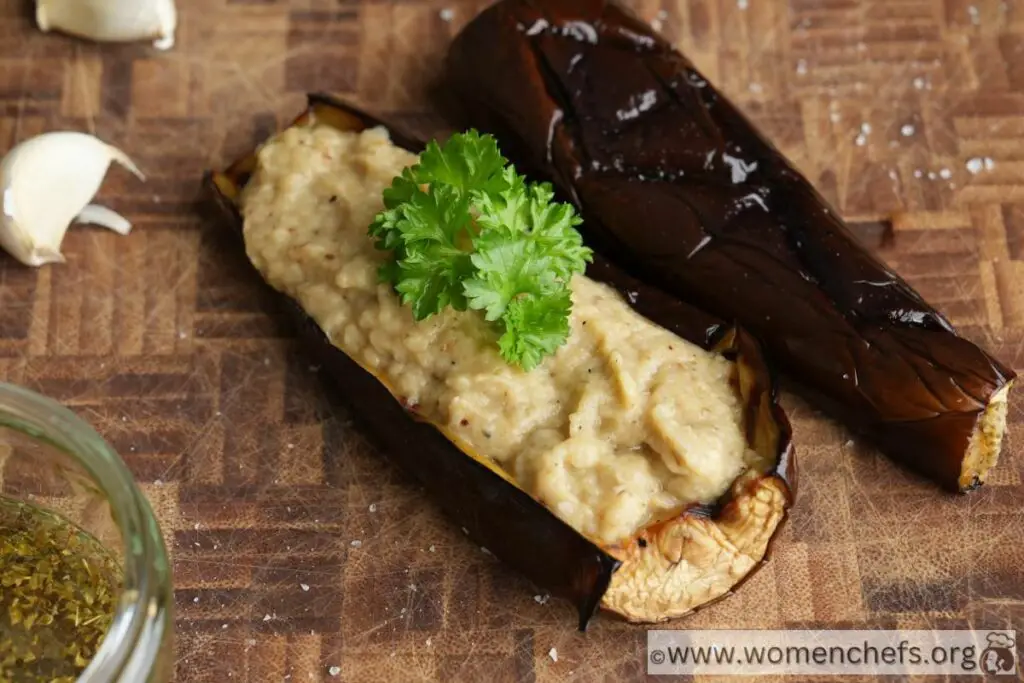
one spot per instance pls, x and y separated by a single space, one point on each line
625 425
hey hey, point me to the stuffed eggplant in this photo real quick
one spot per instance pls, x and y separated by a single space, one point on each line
678 188
641 468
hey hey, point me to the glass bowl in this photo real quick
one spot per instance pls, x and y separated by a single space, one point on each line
52 460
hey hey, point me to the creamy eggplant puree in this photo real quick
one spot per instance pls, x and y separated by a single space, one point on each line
625 424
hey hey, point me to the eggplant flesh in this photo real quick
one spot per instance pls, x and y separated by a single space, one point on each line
698 556
679 189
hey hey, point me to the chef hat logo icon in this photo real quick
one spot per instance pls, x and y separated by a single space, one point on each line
998 657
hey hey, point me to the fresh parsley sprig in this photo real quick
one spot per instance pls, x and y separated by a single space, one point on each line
465 230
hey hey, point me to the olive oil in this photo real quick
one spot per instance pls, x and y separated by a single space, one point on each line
58 591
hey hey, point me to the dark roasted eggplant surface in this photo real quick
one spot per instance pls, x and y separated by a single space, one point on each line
674 563
679 189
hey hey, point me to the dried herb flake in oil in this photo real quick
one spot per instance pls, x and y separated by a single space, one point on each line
58 591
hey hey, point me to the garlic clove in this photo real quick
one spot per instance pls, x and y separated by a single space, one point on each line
111 20
49 181
100 215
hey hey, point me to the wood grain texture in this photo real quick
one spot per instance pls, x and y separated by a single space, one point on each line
297 548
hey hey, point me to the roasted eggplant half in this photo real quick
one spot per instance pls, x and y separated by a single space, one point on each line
465 426
676 187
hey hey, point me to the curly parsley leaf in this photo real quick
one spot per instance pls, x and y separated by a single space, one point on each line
535 326
465 230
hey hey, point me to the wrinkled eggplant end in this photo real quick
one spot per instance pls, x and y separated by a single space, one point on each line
671 567
983 448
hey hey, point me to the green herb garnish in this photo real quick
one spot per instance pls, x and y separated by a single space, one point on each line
465 230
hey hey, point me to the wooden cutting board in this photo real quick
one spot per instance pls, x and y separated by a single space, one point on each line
299 551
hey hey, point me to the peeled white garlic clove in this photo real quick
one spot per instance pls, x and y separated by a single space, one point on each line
111 20
49 181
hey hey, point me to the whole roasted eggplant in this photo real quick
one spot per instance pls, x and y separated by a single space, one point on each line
670 567
679 189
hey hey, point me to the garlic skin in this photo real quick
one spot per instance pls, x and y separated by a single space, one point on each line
48 182
111 20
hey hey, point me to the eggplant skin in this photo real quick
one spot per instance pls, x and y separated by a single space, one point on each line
679 189
671 567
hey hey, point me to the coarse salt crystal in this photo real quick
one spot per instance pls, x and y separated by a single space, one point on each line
553 653
907 130
977 164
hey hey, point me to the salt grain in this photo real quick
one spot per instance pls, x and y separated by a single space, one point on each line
860 140
918 173
907 130
447 14
741 4
334 670
976 164
304 587
541 599
801 67
431 548
920 83
553 653
373 507
356 544
974 14
756 88
945 174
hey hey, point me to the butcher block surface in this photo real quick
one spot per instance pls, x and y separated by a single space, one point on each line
299 553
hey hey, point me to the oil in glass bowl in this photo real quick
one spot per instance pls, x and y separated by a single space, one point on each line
59 588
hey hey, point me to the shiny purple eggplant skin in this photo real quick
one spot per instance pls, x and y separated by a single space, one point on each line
680 190
493 512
